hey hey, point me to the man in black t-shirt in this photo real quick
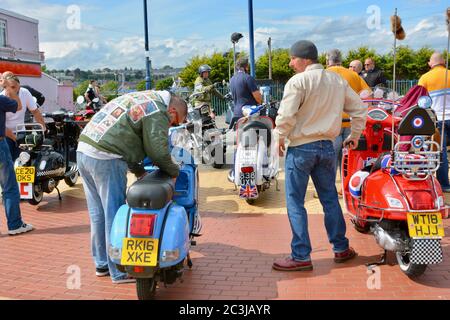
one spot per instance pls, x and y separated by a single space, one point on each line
243 89
372 75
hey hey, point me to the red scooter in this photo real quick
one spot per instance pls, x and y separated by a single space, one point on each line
393 194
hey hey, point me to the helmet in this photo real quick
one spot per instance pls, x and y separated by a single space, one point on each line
204 68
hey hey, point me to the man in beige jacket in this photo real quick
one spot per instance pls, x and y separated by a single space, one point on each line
310 117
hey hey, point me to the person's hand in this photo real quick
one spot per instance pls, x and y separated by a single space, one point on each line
9 134
213 115
217 85
351 143
281 147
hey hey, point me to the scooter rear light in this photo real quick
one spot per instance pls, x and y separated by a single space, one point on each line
247 169
420 200
142 224
139 269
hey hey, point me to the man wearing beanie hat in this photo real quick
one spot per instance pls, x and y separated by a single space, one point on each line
310 118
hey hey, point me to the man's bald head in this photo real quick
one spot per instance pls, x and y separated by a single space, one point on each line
436 59
356 66
177 109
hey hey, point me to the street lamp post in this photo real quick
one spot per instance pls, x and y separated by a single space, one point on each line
148 79
235 37
252 44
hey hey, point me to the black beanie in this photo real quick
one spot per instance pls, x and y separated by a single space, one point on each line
304 49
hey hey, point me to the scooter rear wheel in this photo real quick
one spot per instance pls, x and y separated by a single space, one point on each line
410 269
146 288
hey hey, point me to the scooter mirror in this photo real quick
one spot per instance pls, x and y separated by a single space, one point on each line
80 99
425 102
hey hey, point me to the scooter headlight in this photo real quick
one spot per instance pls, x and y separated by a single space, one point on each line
115 253
394 203
42 165
170 255
24 157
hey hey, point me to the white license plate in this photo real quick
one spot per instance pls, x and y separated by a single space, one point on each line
248 179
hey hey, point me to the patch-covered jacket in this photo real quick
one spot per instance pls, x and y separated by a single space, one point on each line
133 126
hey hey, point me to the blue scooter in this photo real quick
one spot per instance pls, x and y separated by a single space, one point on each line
152 234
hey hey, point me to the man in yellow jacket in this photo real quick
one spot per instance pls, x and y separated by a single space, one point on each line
434 82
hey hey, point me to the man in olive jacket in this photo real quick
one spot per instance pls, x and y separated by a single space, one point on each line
117 138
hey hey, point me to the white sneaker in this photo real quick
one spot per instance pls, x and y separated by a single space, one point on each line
24 228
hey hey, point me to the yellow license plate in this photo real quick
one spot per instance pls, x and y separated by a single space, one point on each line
139 252
25 174
425 225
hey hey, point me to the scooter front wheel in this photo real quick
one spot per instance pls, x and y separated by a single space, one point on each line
72 179
38 195
412 270
146 288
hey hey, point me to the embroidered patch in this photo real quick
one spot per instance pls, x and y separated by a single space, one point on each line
136 113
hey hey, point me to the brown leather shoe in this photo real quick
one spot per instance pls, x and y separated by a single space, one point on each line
348 254
289 264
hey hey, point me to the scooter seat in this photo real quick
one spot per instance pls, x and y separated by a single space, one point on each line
261 130
153 191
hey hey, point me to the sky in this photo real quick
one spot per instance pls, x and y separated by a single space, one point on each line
110 33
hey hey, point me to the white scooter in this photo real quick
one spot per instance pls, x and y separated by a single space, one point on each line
256 161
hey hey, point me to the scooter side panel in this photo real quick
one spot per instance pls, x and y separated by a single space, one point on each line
119 229
175 235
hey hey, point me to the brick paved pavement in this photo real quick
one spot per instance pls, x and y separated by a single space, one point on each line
232 261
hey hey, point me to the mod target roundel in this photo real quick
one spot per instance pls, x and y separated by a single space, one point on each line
417 142
417 122
356 182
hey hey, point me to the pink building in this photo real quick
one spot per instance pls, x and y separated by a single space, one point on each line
19 53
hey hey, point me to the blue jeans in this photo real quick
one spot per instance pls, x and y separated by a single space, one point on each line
13 149
104 183
317 160
10 188
338 145
442 173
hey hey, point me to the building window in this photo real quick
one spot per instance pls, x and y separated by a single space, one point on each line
2 33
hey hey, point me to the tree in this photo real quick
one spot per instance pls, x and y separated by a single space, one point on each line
164 84
280 65
216 61
109 90
80 89
141 86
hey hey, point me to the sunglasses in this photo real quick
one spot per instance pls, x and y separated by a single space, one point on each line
12 78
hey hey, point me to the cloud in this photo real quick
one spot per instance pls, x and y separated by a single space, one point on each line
95 46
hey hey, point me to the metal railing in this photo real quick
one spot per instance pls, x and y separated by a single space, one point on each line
277 89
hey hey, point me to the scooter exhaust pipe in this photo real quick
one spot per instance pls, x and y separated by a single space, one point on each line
386 241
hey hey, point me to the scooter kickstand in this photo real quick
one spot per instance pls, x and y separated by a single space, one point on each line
277 187
59 194
382 262
189 261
